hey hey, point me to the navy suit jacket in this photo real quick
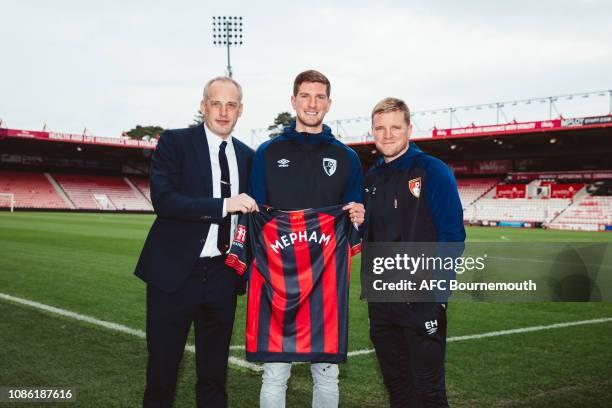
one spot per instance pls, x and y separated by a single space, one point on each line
182 196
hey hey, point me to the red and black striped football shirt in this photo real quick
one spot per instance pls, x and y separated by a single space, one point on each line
297 306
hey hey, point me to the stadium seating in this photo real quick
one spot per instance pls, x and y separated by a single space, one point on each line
101 192
142 184
471 189
516 209
590 210
570 206
31 190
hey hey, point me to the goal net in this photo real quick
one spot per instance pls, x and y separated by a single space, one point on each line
7 200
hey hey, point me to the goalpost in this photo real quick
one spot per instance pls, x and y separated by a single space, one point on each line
7 200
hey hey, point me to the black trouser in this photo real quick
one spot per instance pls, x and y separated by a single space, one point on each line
208 299
410 342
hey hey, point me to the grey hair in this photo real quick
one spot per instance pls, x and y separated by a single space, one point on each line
222 79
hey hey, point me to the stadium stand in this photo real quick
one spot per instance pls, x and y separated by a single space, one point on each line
471 189
549 202
142 184
516 209
588 212
552 174
31 190
101 193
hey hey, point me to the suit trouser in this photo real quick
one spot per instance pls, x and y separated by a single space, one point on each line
207 298
410 343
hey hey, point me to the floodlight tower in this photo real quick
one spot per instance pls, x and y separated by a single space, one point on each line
227 31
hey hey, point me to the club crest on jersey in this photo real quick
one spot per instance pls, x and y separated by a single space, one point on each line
330 166
240 233
414 186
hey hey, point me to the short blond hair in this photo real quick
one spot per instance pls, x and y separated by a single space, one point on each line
391 105
222 79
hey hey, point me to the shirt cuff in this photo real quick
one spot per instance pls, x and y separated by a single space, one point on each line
224 212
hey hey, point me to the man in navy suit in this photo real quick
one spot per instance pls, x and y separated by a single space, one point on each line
198 179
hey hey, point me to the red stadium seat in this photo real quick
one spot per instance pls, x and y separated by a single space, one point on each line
31 190
101 192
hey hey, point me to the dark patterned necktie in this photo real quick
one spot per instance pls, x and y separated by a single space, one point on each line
223 237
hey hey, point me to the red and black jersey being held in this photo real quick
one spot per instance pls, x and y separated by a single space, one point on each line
299 281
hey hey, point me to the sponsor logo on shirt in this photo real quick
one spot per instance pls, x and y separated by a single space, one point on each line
283 163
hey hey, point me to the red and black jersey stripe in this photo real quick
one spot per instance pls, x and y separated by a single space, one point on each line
297 307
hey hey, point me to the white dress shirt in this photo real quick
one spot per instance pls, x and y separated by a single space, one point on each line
210 246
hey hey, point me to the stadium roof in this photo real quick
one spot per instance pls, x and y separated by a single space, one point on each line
581 138
120 142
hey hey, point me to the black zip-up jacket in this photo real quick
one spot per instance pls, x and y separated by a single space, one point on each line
303 170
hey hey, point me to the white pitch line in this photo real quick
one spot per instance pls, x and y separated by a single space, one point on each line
506 332
116 327
256 367
491 334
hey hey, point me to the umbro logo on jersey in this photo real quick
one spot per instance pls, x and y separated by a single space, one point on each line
330 166
283 163
431 327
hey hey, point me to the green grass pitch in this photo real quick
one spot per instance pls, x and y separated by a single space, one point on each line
84 263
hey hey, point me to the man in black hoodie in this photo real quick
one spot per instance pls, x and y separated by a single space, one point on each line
410 197
306 167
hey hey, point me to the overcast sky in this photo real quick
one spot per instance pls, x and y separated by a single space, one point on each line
110 65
